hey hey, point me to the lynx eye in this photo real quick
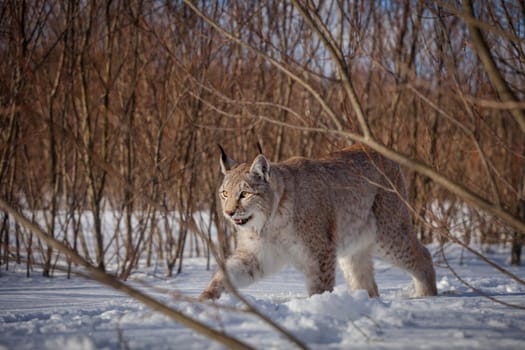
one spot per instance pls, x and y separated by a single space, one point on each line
245 195
224 194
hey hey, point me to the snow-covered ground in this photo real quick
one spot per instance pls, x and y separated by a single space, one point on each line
56 313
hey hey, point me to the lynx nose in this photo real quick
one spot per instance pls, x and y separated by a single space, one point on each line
230 212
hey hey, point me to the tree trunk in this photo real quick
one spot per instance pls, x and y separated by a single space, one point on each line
517 237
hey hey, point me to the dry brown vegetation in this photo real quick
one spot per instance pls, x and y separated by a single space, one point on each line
117 106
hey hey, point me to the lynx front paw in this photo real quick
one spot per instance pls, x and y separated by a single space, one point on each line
209 295
213 291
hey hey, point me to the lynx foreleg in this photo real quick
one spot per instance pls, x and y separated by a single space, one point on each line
358 270
243 268
320 273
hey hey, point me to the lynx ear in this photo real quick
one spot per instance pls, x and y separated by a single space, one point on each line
226 162
261 167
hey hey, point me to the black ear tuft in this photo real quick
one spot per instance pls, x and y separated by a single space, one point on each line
226 162
224 157
259 147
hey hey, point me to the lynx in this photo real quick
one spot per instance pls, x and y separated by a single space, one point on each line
310 213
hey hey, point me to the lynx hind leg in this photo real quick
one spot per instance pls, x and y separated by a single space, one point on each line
396 241
402 249
425 276
358 270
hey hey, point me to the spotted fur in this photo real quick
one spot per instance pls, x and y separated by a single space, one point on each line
313 214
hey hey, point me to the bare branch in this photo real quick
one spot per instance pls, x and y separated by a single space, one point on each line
326 108
315 22
483 51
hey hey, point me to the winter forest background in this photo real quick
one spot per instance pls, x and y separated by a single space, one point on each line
110 113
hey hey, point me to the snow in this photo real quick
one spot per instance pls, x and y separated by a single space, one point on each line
57 313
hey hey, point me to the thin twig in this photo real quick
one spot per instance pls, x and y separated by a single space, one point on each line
326 108
479 291
317 25
493 72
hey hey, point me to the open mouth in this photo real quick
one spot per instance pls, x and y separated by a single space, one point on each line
241 222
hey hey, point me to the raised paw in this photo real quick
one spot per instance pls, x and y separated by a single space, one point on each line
209 295
212 292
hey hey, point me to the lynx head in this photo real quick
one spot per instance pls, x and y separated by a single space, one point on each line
246 193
